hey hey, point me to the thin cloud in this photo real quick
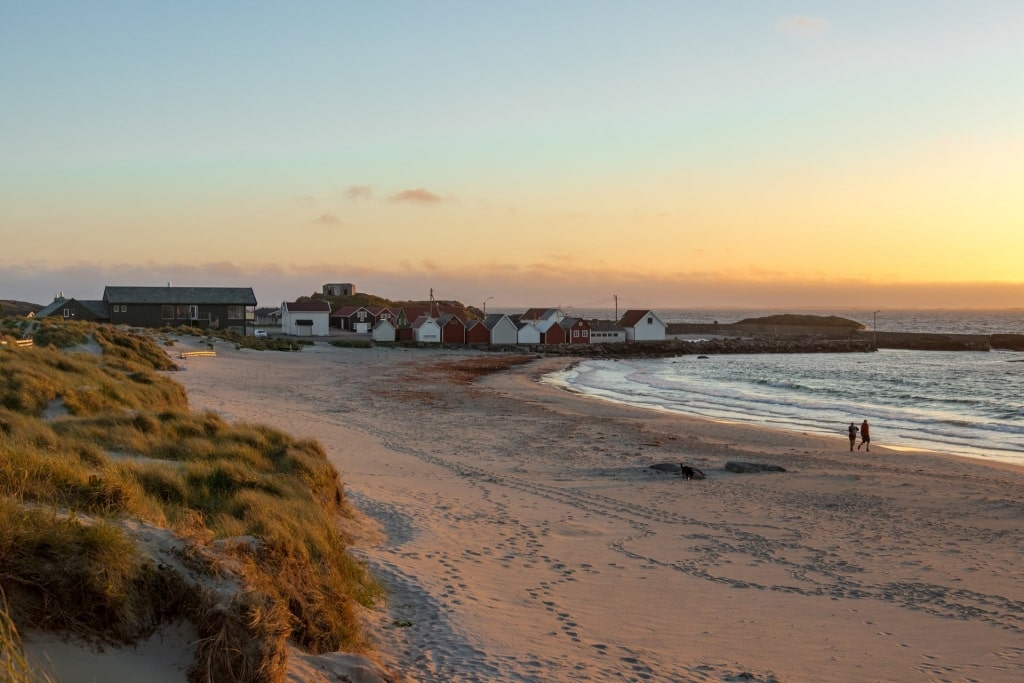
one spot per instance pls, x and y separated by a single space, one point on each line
357 192
327 219
417 196
802 26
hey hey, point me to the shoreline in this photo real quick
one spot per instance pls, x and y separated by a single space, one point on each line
905 427
523 535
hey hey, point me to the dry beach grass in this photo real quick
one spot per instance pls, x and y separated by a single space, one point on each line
123 513
524 537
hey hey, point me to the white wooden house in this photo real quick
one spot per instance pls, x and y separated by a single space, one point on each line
305 318
527 333
425 330
503 330
643 325
384 331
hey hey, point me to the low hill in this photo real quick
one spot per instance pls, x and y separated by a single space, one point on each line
803 321
17 308
373 300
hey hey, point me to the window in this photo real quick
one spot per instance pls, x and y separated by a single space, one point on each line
236 312
167 311
67 312
181 311
650 321
362 315
586 333
575 333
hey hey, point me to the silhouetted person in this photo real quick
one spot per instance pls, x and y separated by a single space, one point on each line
865 436
852 429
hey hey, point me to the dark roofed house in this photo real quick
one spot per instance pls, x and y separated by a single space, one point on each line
224 308
91 310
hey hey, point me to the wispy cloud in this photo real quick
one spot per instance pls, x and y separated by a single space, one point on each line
417 196
357 192
327 219
802 26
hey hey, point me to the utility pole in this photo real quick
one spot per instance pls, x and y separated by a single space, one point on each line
616 297
874 330
485 305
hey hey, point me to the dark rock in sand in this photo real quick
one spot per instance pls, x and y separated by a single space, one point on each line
751 467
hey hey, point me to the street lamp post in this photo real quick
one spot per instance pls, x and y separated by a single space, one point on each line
874 330
485 305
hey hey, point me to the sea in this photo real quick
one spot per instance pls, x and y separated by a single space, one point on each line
959 402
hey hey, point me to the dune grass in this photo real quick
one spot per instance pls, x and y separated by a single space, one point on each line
125 446
14 665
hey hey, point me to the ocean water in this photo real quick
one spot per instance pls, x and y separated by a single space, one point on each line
884 320
965 403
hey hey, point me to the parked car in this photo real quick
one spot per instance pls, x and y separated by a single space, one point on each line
260 334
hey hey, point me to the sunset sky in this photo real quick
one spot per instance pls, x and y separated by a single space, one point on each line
677 154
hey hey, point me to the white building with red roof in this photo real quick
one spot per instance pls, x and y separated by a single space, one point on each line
305 318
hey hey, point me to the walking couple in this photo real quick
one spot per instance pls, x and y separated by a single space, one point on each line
865 435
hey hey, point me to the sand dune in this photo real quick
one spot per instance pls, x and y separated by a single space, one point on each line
523 537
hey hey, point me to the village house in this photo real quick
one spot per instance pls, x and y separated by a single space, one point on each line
606 332
477 332
218 308
360 319
384 331
577 330
453 330
527 333
502 329
92 310
551 332
305 318
641 325
425 330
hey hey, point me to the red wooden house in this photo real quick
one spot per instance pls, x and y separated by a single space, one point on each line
477 332
577 330
551 332
453 330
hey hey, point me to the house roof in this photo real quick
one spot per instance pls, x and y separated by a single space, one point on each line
569 323
95 306
605 326
345 311
315 306
492 320
447 317
242 296
539 314
423 320
631 318
52 306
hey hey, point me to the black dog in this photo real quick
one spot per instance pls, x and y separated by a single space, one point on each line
686 471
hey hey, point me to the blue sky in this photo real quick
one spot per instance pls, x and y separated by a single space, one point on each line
733 153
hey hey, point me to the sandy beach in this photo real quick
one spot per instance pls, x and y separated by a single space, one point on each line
523 536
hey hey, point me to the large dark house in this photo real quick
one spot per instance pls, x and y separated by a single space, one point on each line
222 308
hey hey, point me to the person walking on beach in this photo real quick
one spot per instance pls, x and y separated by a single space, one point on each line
852 429
865 436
